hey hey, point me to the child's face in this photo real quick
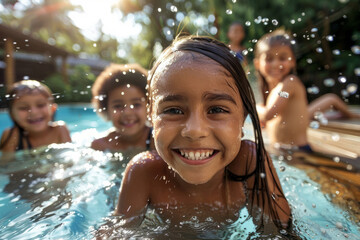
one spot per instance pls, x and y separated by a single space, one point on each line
33 112
236 33
127 110
276 63
197 116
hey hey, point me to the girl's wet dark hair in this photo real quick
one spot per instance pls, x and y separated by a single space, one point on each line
114 76
222 54
276 38
16 91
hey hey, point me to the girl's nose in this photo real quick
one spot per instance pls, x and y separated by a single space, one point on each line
128 109
196 127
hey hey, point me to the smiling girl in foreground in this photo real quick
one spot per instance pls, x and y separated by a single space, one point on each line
199 98
32 109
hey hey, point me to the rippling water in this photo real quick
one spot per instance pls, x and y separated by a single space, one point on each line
68 191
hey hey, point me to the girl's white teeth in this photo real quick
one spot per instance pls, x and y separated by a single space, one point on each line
197 155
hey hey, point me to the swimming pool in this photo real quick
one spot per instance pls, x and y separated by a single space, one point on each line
65 192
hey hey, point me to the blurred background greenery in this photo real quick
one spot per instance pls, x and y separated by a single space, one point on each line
326 31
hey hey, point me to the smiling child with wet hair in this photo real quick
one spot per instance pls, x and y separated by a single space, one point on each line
119 96
199 98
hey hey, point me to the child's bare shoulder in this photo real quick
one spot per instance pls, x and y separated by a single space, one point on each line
292 79
99 144
147 158
9 139
148 163
61 130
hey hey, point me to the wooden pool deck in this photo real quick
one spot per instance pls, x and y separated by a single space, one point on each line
339 138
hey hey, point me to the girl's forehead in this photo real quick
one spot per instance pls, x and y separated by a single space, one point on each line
189 60
34 95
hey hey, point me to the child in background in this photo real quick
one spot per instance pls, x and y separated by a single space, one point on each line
32 109
199 98
119 95
236 35
285 111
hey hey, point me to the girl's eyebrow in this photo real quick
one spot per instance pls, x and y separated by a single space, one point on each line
171 98
218 97
121 101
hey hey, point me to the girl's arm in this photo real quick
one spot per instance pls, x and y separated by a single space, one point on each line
277 101
135 189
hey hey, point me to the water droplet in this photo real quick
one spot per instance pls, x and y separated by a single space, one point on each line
329 82
336 52
262 175
247 23
309 61
336 159
275 22
173 8
228 11
339 225
159 10
357 71
257 20
355 49
352 88
319 50
349 167
314 30
342 79
283 94
314 205
314 124
345 93
292 21
313 90
282 168
335 137
329 38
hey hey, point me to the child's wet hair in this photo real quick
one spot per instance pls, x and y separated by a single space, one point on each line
222 55
273 39
114 76
26 87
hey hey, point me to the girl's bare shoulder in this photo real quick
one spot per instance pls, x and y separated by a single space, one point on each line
148 163
61 130
292 79
148 158
9 139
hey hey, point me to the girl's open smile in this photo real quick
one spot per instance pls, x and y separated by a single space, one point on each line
197 130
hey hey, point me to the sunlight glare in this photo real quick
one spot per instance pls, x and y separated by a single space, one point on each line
112 20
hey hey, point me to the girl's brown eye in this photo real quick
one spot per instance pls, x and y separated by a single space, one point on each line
172 111
215 110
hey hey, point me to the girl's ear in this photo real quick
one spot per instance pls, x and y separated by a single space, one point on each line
256 63
54 106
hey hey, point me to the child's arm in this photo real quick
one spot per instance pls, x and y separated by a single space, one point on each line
135 188
278 100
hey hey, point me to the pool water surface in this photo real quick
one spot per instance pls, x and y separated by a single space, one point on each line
68 191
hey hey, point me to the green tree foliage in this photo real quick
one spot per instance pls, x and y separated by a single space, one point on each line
326 32
77 90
